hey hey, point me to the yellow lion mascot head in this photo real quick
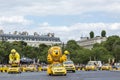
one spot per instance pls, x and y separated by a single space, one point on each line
54 54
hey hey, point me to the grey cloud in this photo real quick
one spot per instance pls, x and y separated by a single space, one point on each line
56 7
80 29
69 32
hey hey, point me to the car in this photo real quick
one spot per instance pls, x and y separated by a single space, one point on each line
23 68
89 67
15 68
44 68
69 65
1 68
30 68
106 67
56 69
93 65
4 68
116 66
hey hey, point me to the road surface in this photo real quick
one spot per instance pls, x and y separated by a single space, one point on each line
79 75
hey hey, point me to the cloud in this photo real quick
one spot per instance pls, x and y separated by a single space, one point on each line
78 30
14 14
66 33
14 20
58 7
44 24
115 26
14 23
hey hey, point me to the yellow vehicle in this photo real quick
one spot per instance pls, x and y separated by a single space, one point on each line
0 68
56 69
69 65
4 68
116 66
23 67
90 67
30 68
93 65
55 58
44 68
106 67
14 61
14 68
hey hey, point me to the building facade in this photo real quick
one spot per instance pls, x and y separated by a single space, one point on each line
88 43
32 40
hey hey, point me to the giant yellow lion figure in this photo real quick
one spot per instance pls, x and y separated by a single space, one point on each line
55 55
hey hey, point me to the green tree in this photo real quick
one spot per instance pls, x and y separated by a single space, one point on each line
42 47
96 45
103 33
110 42
91 34
116 49
72 46
5 48
77 53
116 52
101 53
43 51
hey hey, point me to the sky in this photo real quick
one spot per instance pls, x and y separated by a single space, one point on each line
67 19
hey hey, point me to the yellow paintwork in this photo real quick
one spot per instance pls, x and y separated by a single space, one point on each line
54 59
39 68
118 68
56 69
55 55
106 67
90 67
69 65
4 68
44 68
23 68
14 70
31 68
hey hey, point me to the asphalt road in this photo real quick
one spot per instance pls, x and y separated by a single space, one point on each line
79 75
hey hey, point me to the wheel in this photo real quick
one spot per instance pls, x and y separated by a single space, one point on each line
8 72
73 71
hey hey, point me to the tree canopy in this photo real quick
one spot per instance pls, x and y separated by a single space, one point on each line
91 34
104 51
103 33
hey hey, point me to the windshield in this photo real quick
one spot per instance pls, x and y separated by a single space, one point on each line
68 62
57 65
89 64
106 64
117 64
